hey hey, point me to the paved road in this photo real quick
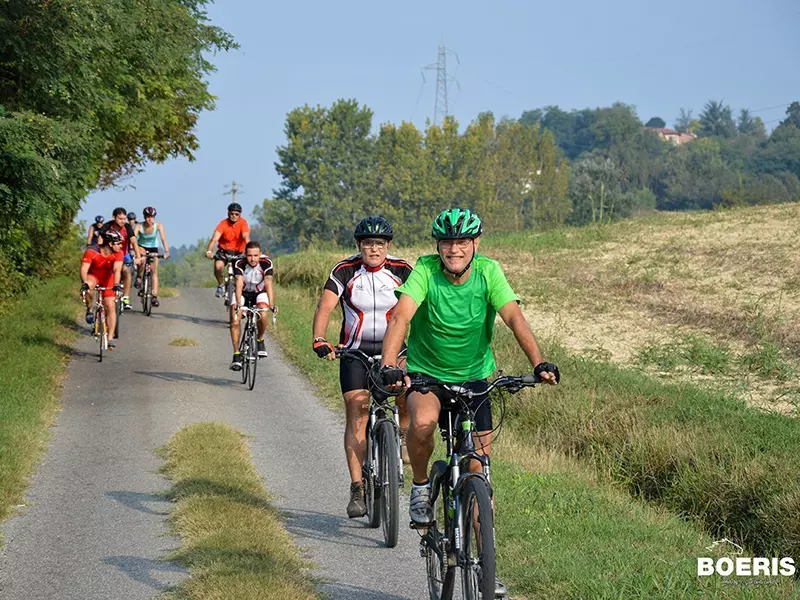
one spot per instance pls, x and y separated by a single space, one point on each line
93 527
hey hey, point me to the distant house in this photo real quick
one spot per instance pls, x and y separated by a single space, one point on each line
672 136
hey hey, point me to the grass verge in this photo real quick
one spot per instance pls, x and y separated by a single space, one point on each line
563 529
184 342
232 539
33 356
169 292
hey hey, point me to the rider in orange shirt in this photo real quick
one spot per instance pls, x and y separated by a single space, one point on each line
231 236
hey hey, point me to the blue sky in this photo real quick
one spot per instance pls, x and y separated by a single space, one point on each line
514 55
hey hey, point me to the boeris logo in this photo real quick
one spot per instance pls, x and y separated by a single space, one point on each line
743 566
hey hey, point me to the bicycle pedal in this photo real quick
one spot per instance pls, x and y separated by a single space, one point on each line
423 527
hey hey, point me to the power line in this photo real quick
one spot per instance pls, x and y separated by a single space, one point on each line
442 80
234 189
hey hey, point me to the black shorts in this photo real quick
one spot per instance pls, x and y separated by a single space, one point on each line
227 255
149 250
353 374
481 406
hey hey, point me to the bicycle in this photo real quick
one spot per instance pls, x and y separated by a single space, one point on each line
383 468
462 499
248 344
100 330
147 282
229 281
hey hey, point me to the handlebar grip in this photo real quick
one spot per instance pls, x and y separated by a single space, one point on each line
530 379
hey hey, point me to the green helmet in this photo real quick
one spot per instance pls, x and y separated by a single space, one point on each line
456 223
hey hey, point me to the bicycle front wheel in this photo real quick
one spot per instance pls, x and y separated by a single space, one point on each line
252 357
441 576
146 297
388 471
479 568
100 328
243 351
370 489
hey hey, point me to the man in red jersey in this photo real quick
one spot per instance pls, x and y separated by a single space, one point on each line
102 266
231 236
130 250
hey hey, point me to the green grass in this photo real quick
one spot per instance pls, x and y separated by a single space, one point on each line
184 342
168 292
33 358
602 542
232 539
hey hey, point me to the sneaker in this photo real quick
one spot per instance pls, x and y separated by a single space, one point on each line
220 291
126 303
262 349
154 301
500 590
111 344
89 317
356 507
138 283
419 505
236 363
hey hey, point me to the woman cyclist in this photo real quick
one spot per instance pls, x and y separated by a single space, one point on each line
147 234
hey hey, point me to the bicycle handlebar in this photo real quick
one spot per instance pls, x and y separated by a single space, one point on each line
511 382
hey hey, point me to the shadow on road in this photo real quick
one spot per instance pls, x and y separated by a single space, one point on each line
190 377
331 528
139 501
142 570
195 320
335 590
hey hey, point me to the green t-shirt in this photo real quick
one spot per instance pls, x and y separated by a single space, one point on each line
451 331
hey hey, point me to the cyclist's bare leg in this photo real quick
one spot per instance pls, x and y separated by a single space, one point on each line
88 297
219 266
424 417
356 404
402 403
111 315
236 316
262 322
483 445
154 271
126 281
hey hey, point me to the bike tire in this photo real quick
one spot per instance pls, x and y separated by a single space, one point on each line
100 325
147 298
388 475
243 356
440 575
368 482
118 308
252 359
479 568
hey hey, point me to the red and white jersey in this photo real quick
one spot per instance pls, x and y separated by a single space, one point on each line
366 296
254 277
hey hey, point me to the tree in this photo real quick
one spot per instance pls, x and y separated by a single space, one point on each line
683 123
716 120
656 122
792 116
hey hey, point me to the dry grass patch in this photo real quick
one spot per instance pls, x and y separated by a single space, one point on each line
168 292
184 342
232 539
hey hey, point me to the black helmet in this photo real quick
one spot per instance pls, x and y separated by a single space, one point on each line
111 236
131 216
234 207
149 211
373 227
99 219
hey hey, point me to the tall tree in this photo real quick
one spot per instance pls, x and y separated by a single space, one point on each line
716 120
656 122
684 121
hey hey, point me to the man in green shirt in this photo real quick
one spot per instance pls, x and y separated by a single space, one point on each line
451 299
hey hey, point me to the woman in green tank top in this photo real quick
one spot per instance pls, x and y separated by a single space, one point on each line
147 233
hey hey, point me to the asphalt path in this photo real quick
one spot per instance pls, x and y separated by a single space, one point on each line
93 525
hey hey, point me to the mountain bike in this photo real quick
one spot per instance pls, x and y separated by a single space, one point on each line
383 468
147 282
248 344
462 532
100 330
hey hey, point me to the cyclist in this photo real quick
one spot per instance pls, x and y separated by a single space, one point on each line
254 287
102 265
130 250
132 219
364 286
94 231
231 236
147 234
451 299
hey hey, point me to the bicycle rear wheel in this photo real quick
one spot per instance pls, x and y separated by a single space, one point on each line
388 474
479 568
252 357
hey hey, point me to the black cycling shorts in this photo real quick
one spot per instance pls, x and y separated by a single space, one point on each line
149 250
481 406
353 374
227 255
